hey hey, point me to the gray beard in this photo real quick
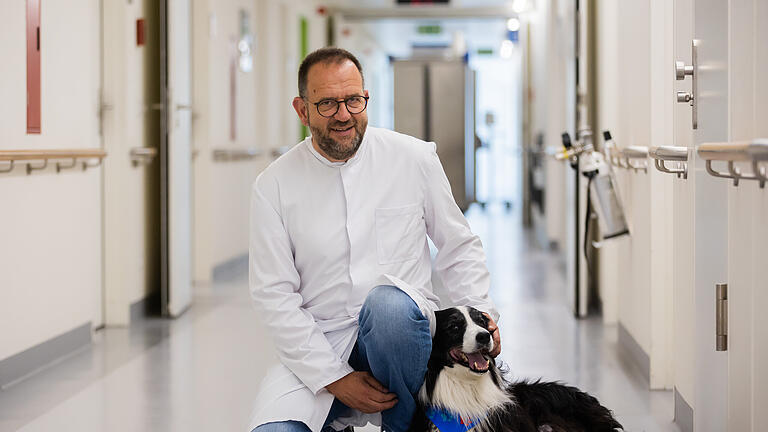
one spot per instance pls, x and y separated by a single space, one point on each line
333 149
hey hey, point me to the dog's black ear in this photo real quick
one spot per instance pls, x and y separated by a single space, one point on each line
478 317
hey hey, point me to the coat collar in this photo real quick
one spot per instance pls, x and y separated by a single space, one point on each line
353 160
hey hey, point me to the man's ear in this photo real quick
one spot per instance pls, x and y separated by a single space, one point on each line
301 109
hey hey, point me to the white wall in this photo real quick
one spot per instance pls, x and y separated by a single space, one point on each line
265 117
635 104
553 93
221 188
50 224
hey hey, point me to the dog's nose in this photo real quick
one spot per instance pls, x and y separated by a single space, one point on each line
483 338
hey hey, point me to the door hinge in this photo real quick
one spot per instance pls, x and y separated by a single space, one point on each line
721 311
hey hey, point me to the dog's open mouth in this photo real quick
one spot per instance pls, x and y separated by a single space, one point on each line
476 361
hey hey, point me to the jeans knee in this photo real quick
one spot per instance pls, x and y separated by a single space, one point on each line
390 304
394 317
283 426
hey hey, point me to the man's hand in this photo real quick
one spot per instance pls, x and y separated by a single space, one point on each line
494 329
361 391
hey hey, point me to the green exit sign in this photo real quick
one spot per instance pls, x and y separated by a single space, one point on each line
430 29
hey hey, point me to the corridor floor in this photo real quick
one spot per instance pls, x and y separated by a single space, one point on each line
201 371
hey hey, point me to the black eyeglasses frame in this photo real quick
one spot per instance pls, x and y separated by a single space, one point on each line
338 105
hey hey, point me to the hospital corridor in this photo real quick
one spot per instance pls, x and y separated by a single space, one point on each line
200 201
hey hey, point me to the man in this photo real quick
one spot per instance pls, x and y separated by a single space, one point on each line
339 261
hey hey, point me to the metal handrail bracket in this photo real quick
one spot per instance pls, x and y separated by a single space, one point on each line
636 152
143 155
663 154
755 151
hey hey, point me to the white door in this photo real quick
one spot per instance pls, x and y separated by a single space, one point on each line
701 219
176 166
710 213
748 231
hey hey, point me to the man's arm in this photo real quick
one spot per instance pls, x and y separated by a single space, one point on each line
460 260
274 285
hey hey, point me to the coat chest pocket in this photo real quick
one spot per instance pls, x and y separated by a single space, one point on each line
400 233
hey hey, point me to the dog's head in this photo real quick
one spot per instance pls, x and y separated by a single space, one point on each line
462 338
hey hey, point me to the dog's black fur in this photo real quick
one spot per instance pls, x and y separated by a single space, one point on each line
530 406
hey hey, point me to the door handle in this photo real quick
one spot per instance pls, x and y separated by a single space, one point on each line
683 70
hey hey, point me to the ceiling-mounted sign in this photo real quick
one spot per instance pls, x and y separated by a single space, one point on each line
422 2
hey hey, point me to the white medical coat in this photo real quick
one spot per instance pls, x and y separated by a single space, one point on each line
324 234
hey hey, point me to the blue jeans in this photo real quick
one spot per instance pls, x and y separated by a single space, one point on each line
393 344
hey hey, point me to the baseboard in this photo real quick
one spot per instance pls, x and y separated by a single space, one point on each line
231 269
636 353
683 413
27 362
146 307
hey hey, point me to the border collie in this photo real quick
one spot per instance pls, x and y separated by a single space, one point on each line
464 388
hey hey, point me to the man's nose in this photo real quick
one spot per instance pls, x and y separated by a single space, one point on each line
343 113
483 338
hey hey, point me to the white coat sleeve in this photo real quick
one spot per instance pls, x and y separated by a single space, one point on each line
274 286
460 261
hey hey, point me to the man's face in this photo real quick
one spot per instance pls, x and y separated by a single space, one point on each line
337 137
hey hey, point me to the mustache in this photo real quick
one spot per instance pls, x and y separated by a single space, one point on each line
342 125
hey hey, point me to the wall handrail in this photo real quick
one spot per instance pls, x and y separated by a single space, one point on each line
143 155
29 156
235 154
755 151
663 154
623 157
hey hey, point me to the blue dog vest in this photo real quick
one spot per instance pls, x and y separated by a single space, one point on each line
447 421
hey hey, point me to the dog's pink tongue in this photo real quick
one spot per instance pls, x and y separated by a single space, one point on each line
477 361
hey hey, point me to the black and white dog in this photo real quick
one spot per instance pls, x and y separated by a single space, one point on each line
463 381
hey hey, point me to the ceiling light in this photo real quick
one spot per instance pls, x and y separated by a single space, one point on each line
513 24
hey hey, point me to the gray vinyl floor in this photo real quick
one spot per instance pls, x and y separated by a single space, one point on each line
201 371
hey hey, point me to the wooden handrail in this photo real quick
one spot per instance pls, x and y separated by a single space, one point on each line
223 155
25 155
755 151
735 151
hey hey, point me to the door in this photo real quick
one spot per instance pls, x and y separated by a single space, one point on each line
710 212
130 129
701 219
176 160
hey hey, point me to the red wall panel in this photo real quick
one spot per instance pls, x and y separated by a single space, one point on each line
33 66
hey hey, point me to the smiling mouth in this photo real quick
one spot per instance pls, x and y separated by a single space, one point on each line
476 361
342 129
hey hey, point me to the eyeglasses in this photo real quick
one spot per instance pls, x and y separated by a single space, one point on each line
329 107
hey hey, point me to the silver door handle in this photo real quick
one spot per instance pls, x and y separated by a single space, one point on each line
682 70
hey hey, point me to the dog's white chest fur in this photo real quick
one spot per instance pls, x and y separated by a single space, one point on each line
466 393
